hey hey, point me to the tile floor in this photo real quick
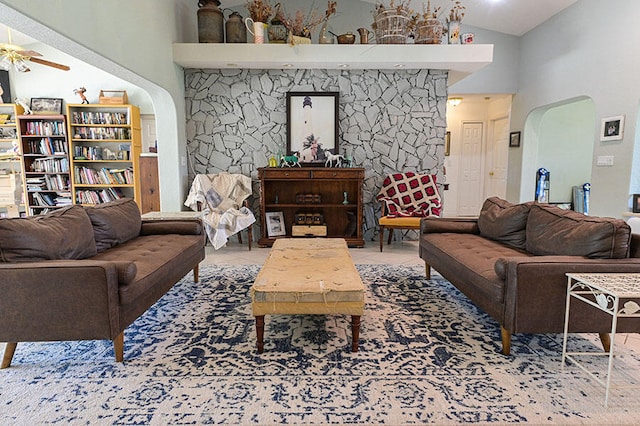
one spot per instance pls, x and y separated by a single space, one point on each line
397 253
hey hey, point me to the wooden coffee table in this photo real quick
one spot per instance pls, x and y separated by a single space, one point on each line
308 276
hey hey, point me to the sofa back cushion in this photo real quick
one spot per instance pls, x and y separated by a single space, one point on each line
554 231
504 222
62 234
115 222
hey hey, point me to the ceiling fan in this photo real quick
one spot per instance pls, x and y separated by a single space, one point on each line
11 54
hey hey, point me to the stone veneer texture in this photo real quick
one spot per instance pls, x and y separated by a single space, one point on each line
390 120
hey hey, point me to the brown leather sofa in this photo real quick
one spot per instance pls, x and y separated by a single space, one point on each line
512 259
86 273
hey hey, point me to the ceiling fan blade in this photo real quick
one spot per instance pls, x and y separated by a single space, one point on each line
49 63
28 53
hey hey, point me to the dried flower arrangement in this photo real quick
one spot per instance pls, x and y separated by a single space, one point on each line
301 25
457 12
259 10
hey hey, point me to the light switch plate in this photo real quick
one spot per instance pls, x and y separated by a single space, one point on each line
604 160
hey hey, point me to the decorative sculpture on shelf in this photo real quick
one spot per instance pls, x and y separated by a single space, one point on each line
80 92
290 160
23 103
333 160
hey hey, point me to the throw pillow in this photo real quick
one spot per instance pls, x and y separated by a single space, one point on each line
503 221
553 231
115 222
62 234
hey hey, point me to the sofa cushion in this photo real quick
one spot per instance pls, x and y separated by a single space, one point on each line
115 222
62 234
504 222
554 231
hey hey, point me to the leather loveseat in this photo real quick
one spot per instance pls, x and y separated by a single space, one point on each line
86 273
511 262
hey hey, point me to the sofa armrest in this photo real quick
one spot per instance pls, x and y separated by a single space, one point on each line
446 224
59 300
177 226
536 287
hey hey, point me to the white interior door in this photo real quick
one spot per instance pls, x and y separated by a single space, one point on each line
149 138
471 194
497 159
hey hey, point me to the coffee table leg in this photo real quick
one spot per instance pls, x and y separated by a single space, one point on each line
355 332
260 332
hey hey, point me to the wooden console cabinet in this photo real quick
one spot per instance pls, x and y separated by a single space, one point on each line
294 191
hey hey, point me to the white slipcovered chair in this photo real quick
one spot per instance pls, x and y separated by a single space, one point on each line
222 198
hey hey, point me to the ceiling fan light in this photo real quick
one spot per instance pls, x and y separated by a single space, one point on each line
21 65
5 63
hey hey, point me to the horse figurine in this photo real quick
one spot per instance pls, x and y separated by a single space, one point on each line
24 105
331 158
290 160
80 92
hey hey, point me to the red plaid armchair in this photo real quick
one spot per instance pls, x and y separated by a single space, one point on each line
405 199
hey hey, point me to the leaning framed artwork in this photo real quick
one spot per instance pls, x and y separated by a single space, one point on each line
275 224
46 106
312 126
612 128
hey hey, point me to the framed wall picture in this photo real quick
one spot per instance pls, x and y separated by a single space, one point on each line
612 128
447 144
312 126
636 203
46 106
275 224
514 139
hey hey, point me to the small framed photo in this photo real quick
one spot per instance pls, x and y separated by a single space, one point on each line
636 203
447 144
275 224
514 139
612 128
46 106
312 126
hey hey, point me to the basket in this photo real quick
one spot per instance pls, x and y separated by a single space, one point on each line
429 31
391 26
113 97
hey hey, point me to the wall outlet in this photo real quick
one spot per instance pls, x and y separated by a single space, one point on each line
604 160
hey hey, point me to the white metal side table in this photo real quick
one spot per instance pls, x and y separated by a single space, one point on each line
604 292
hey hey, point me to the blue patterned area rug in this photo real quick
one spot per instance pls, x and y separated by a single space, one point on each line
427 355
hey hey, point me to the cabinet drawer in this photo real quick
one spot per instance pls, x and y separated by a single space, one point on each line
336 174
285 174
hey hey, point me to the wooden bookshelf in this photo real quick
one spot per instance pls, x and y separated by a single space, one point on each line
45 162
11 196
105 145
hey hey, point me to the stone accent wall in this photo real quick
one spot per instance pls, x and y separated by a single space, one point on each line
390 121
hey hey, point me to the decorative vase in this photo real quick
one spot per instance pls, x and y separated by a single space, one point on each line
325 37
294 39
236 31
256 29
454 32
346 198
210 22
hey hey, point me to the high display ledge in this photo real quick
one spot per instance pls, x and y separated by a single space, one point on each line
460 60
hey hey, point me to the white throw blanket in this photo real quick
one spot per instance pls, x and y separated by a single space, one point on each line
221 197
